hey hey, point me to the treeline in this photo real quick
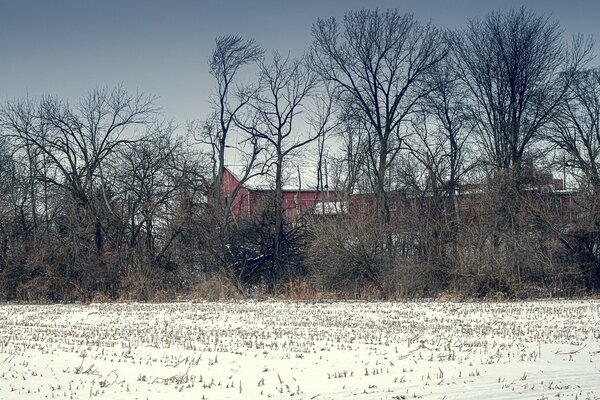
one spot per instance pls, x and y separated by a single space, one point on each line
448 130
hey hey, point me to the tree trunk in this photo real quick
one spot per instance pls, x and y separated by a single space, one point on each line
278 239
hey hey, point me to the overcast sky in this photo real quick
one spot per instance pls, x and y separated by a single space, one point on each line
66 47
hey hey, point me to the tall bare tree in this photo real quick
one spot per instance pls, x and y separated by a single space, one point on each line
286 85
517 69
576 128
76 142
446 105
231 53
576 132
380 61
439 143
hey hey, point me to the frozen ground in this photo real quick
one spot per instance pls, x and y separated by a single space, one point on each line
259 350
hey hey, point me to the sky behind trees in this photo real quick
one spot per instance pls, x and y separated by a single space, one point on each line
67 47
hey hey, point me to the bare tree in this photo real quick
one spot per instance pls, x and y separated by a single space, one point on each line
439 143
446 105
231 53
287 84
576 128
78 140
380 61
72 146
517 69
576 131
158 185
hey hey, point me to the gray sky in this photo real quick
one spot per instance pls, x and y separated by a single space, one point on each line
66 47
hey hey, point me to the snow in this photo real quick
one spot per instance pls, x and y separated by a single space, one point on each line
336 350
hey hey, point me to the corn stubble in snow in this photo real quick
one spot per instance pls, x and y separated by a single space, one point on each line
339 350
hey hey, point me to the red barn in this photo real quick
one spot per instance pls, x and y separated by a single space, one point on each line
295 203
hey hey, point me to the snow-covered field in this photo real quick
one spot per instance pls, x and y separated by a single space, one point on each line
340 350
